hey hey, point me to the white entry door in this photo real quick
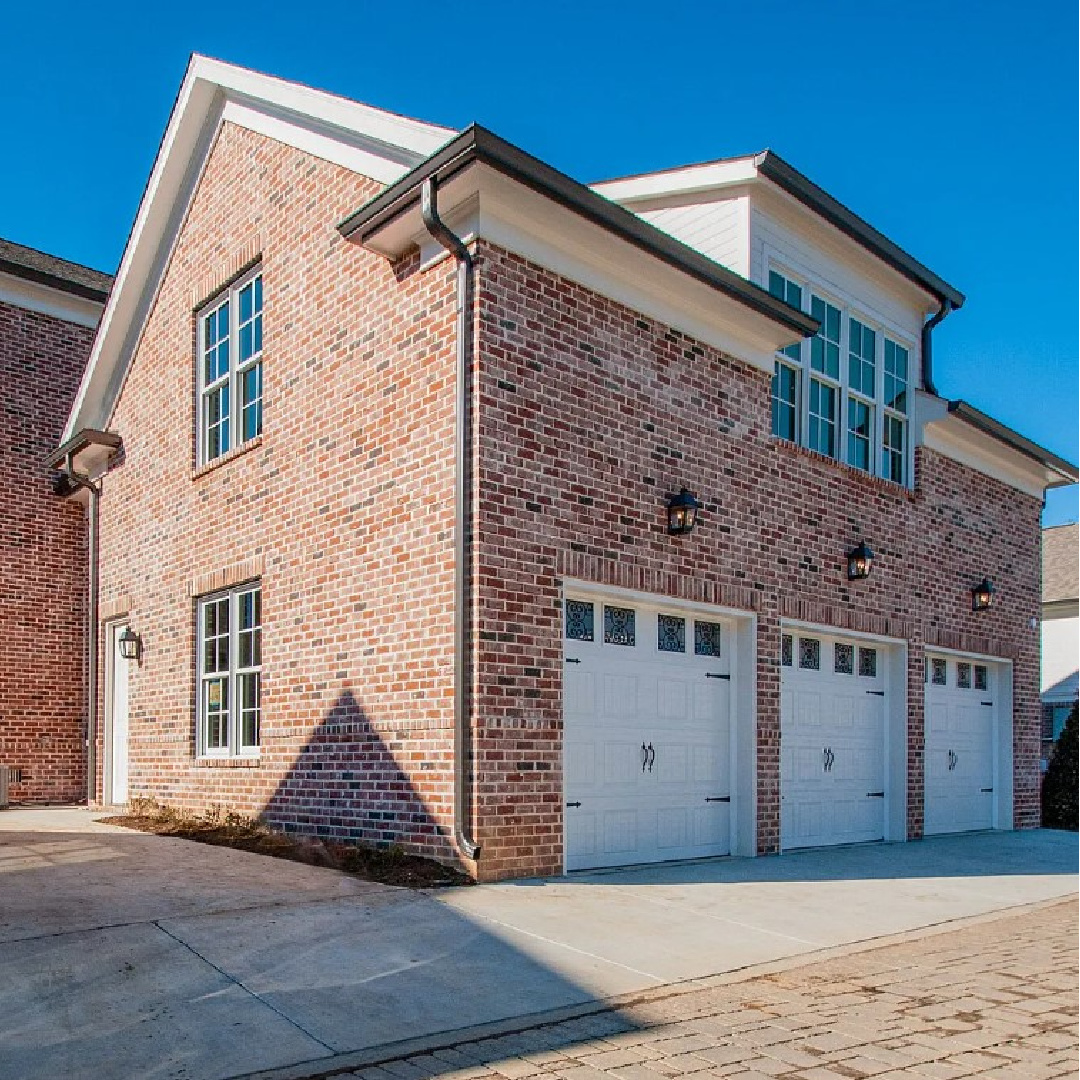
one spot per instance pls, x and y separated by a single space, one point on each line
960 719
647 755
832 740
116 720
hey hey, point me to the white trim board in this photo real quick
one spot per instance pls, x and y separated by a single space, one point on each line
33 296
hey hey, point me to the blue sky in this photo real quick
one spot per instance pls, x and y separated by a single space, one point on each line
951 127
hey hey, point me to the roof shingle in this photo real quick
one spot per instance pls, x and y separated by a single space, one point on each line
33 265
1061 563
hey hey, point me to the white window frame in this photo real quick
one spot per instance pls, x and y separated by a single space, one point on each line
233 378
842 386
234 744
784 360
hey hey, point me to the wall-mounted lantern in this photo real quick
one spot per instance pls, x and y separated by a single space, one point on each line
682 510
982 596
129 644
860 561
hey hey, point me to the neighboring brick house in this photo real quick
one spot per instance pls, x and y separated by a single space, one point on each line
374 597
48 310
1060 630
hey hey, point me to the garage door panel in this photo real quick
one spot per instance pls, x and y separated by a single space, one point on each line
960 765
833 729
653 692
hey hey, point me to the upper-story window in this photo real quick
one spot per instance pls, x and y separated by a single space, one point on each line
230 368
855 412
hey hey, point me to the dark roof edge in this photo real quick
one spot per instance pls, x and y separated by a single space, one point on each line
477 144
776 169
80 441
55 281
997 430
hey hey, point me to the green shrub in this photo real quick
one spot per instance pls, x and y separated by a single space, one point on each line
1059 789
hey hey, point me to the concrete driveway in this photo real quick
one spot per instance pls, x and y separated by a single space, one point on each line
127 955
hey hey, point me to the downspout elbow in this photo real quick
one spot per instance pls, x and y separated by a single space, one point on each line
927 346
438 229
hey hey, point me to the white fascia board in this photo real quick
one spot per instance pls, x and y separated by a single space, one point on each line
950 436
693 178
33 296
375 143
480 202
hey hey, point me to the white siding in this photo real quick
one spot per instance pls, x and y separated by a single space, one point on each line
716 228
1060 649
783 236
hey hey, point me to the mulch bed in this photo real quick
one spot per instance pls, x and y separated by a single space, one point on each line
389 866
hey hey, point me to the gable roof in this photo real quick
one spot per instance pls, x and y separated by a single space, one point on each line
1061 563
370 141
768 165
32 265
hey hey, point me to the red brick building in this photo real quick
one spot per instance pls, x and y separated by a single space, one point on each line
48 311
386 515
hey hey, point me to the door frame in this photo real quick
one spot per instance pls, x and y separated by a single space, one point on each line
895 659
112 627
1002 731
742 700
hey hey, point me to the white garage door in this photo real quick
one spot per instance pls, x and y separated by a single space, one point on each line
646 734
960 714
832 740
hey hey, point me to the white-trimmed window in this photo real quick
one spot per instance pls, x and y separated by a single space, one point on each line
230 368
855 411
230 672
787 368
894 436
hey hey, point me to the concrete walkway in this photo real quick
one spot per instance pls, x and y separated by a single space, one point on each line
129 955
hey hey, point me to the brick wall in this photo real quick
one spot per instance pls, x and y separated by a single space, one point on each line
343 507
591 415
43 567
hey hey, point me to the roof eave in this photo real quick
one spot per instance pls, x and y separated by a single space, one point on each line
478 145
1065 471
53 281
774 168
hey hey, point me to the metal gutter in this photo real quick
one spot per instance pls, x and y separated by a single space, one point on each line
927 347
774 168
1014 440
462 517
478 145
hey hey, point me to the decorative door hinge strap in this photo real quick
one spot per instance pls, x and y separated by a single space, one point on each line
715 675
986 703
876 693
573 804
986 790
875 794
719 798
571 660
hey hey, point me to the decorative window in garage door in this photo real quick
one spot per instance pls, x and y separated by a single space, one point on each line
844 659
707 637
620 626
579 620
670 633
786 650
810 653
963 676
938 672
868 662
980 676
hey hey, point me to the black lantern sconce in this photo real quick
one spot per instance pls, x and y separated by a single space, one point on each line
130 644
982 596
860 561
682 511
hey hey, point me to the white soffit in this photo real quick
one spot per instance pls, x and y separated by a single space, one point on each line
33 296
479 201
953 437
369 141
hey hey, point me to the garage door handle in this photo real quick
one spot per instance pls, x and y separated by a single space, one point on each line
876 693
875 794
952 761
652 757
719 798
986 790
990 703
573 804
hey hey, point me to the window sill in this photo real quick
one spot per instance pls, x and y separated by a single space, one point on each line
879 482
232 455
227 762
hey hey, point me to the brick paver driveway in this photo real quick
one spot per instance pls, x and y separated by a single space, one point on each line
995 998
